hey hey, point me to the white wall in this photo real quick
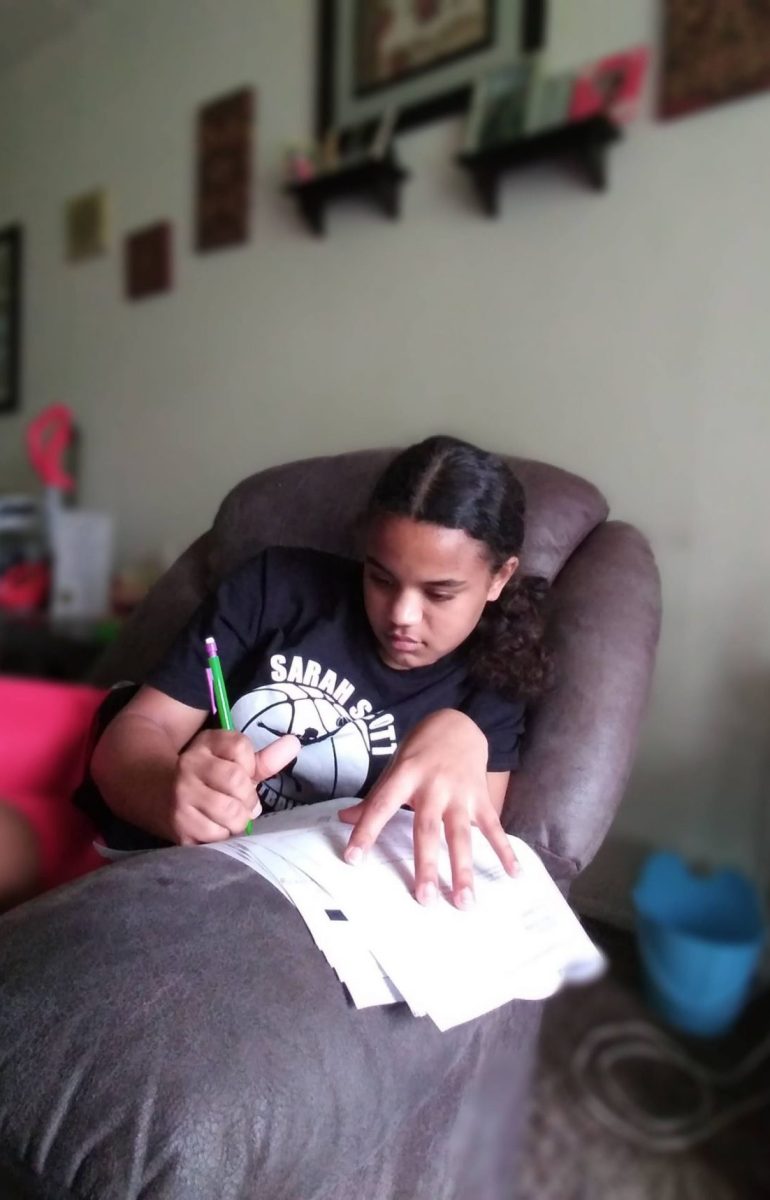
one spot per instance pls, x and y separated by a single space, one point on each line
625 337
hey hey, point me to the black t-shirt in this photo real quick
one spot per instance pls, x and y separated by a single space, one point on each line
298 656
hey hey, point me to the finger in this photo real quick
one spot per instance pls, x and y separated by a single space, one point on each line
230 779
427 843
198 829
351 815
489 824
458 835
226 811
276 756
235 747
378 808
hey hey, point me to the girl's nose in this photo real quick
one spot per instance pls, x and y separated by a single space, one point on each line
407 610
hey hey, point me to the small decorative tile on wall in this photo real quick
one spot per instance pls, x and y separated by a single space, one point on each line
713 51
87 225
224 171
148 261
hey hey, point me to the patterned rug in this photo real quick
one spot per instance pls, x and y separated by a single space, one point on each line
568 1155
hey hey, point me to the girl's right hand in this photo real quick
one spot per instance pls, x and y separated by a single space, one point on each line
214 786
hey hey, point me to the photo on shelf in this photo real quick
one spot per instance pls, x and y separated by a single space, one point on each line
548 101
498 108
611 87
520 100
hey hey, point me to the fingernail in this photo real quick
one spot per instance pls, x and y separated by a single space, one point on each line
465 898
353 855
427 893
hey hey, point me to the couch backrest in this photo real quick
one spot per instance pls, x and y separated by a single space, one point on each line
318 502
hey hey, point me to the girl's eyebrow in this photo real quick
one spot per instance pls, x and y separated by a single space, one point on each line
434 583
374 563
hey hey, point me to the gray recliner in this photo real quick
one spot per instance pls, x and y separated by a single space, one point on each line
168 1030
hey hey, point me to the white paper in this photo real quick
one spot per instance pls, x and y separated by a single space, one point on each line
519 941
341 942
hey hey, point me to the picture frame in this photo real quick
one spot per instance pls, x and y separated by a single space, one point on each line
422 59
87 225
11 254
224 170
712 53
148 261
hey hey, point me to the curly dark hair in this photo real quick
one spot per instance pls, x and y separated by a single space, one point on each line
448 482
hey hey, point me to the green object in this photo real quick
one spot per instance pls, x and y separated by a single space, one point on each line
220 694
106 631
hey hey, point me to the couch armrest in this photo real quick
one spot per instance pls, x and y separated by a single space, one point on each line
169 1029
582 737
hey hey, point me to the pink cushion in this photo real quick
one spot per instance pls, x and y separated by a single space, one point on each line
64 835
44 730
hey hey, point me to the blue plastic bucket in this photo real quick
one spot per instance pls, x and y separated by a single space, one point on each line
700 939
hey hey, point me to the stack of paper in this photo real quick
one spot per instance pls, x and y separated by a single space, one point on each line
519 941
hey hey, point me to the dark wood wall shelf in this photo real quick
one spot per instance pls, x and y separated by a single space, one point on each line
378 180
586 142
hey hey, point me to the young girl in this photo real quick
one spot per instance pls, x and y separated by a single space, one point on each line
402 680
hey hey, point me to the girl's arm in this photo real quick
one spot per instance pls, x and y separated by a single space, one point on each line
440 771
156 770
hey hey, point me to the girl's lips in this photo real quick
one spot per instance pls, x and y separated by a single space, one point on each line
401 643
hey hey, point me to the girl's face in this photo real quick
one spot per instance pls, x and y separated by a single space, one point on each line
425 588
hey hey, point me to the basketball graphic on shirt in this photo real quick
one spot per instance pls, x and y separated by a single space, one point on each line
335 754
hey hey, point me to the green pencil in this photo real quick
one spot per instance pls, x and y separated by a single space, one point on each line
220 693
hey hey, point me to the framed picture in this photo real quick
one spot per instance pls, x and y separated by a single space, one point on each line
420 57
10 317
224 171
148 261
86 224
713 52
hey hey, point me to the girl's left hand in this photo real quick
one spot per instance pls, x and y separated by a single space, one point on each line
440 771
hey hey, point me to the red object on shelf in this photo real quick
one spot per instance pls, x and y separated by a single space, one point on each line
44 729
612 86
24 587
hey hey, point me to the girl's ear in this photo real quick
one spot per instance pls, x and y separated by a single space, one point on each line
501 577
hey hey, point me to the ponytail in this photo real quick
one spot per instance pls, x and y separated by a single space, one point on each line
507 650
